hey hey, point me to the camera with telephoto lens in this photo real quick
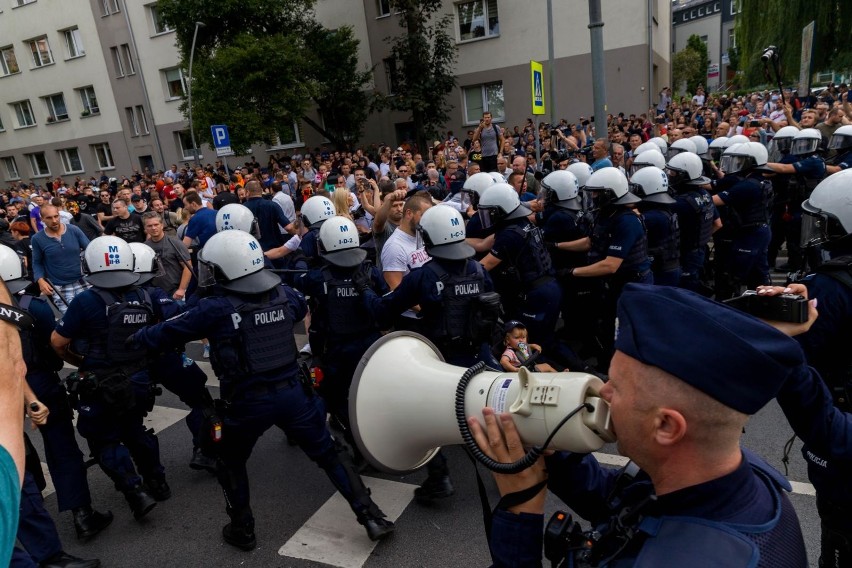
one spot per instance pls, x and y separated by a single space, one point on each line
791 308
769 53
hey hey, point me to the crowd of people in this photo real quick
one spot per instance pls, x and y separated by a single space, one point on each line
493 252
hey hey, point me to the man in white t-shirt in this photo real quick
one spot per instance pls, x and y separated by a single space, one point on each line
698 99
401 252
284 201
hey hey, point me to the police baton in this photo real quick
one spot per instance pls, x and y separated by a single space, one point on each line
288 270
55 292
183 261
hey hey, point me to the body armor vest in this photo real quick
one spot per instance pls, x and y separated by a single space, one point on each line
458 292
533 262
602 237
699 235
756 213
38 357
665 252
345 310
124 318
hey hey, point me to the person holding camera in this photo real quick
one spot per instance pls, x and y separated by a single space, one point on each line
490 138
692 495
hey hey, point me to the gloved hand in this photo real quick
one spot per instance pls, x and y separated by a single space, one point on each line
131 342
361 277
550 246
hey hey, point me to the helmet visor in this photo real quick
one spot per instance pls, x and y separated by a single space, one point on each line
206 274
814 229
804 146
782 144
470 197
487 216
634 167
672 152
715 153
732 164
255 229
839 141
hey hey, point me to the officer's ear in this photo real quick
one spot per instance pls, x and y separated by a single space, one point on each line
669 426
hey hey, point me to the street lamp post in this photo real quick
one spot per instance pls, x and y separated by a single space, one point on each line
189 94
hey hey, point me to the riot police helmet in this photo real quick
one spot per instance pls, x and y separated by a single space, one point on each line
645 147
476 185
686 169
827 213
701 146
646 159
12 270
611 187
339 243
581 171
237 216
146 263
316 210
496 176
806 142
235 261
737 139
661 143
562 189
841 139
743 158
783 139
499 203
651 184
108 263
681 145
442 230
717 146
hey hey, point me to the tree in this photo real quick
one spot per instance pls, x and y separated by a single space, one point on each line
699 77
780 23
424 58
260 65
689 67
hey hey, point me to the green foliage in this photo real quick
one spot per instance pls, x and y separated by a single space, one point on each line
261 64
425 55
689 67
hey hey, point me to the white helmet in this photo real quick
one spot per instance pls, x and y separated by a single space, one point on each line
744 157
686 168
12 270
841 139
738 139
496 176
645 159
316 210
611 186
783 139
827 213
651 184
500 202
701 145
581 171
806 142
108 263
562 189
236 216
340 244
476 185
443 233
717 146
146 263
235 261
678 146
646 146
661 143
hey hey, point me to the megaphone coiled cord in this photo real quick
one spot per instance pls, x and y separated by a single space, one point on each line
532 454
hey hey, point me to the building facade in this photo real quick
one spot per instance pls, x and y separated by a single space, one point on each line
713 22
94 87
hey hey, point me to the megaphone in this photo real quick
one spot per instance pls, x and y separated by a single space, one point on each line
402 404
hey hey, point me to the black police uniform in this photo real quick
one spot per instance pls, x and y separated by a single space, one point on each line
663 242
696 214
253 352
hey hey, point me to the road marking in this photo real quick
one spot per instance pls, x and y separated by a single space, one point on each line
333 536
164 416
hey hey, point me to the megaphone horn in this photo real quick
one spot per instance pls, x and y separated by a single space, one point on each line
403 395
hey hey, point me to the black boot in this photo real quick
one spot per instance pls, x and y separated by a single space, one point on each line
140 502
201 462
241 536
89 522
158 489
65 560
377 526
435 487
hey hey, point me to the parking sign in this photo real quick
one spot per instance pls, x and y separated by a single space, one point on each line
221 140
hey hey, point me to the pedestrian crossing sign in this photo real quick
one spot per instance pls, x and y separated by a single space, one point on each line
537 87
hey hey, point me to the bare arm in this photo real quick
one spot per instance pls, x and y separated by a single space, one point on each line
12 371
604 267
393 278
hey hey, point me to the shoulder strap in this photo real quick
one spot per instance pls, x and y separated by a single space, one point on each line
24 301
108 297
496 131
438 270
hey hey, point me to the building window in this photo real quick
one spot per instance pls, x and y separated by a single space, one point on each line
383 7
8 61
116 62
24 113
128 56
89 101
482 98
703 39
131 121
477 19
175 83
2 128
24 2
160 27
109 7
11 168
38 164
734 8
142 119
56 109
390 74
716 7
184 141
41 52
71 162
103 156
73 43
700 12
732 39
289 138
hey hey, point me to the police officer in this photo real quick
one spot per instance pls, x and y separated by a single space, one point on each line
652 185
314 212
786 221
451 290
748 202
471 192
841 142
64 458
341 330
697 217
617 248
114 390
173 369
692 496
249 317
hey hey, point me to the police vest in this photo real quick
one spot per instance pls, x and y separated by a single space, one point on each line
757 212
839 377
124 318
665 254
803 185
533 261
264 341
457 292
345 312
693 237
602 237
38 356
